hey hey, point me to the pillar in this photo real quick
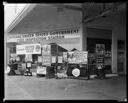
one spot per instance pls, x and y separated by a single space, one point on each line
125 71
83 36
114 51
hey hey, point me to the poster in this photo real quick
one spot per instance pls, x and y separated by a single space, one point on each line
17 58
28 64
46 60
41 70
40 59
46 49
28 57
53 59
60 59
28 49
65 58
100 49
78 57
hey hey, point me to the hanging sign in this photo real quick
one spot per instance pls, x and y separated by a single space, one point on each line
28 49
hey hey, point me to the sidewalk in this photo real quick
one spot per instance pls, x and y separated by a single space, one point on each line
15 92
25 88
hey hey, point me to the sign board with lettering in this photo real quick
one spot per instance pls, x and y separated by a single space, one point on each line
28 49
46 35
78 57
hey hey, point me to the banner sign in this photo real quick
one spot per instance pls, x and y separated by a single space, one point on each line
28 49
46 35
78 57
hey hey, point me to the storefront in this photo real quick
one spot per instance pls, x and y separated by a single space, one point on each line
65 28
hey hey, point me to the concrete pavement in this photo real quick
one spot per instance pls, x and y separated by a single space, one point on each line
29 88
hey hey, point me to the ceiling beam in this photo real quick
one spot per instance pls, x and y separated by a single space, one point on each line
105 12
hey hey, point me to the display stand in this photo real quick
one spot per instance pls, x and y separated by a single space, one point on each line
100 54
78 65
28 67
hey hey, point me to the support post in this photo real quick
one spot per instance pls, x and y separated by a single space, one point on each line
83 36
114 52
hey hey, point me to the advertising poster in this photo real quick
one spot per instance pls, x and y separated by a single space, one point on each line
46 49
100 49
17 58
77 57
60 59
40 59
28 49
46 60
28 64
41 70
65 58
28 57
53 59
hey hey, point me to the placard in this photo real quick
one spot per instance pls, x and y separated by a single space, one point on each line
78 57
28 49
53 59
17 58
29 64
46 60
40 59
46 49
65 58
28 57
60 59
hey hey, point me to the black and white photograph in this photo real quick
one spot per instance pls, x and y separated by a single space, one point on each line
65 51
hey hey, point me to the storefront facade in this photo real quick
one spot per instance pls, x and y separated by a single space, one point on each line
67 30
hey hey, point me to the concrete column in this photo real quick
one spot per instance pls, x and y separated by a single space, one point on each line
83 36
5 46
114 51
125 59
6 52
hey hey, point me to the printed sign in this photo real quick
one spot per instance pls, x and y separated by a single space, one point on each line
65 56
77 57
46 35
46 60
53 59
40 59
28 57
28 49
46 49
41 70
60 59
29 64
